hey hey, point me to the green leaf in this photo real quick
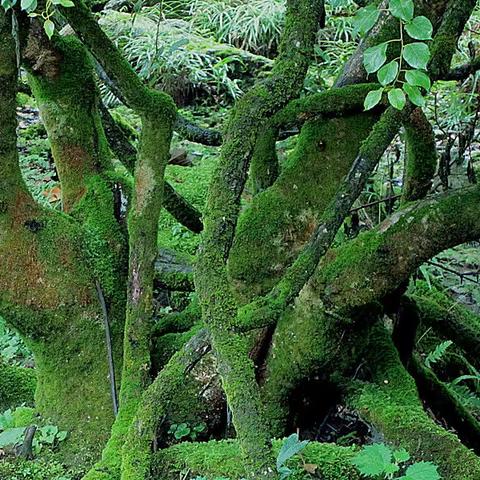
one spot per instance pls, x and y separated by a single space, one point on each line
465 377
49 28
66 3
372 460
284 472
28 5
402 9
11 436
417 78
420 28
7 4
373 99
365 19
421 471
290 447
415 95
375 57
401 455
183 430
397 98
438 353
417 55
392 468
388 73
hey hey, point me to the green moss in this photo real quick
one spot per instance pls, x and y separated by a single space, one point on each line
17 386
364 270
451 319
165 346
77 140
421 161
48 294
392 405
279 222
24 416
223 459
264 167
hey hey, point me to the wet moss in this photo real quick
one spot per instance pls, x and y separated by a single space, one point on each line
391 403
421 158
223 459
280 220
17 386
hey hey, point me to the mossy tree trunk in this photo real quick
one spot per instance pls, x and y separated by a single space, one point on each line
267 277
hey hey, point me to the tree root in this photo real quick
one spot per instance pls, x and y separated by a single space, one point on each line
455 322
442 400
391 403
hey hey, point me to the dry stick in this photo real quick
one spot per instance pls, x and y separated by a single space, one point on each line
108 340
377 202
266 310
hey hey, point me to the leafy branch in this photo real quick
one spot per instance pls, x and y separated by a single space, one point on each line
395 80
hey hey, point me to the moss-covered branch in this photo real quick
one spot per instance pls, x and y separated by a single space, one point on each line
445 41
421 156
11 183
184 127
376 263
446 316
137 455
137 96
443 401
267 310
219 307
324 320
332 103
177 206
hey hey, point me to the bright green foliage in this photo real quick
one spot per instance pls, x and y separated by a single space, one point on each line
416 55
12 429
185 431
380 461
33 470
290 447
46 12
438 353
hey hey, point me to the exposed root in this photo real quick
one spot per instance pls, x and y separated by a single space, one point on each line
391 403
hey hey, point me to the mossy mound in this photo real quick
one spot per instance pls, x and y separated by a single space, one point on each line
222 459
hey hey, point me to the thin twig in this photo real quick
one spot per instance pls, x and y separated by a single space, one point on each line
108 339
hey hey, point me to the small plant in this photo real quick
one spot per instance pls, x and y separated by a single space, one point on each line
11 433
396 80
438 353
183 431
379 461
12 349
290 447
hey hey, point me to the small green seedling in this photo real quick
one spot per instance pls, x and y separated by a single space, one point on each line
379 461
